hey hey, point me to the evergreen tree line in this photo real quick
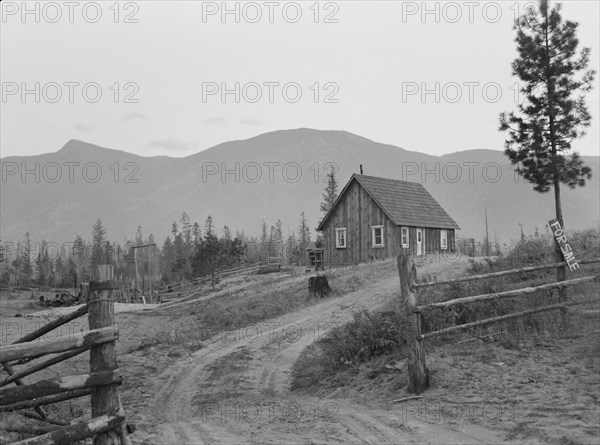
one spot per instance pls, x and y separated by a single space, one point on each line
188 252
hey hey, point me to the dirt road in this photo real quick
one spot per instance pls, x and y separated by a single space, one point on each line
235 389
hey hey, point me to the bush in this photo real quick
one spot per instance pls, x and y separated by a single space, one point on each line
528 252
369 334
585 243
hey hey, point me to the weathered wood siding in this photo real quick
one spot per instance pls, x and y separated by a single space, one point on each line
432 240
358 212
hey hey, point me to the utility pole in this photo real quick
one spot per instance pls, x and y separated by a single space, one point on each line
75 275
150 278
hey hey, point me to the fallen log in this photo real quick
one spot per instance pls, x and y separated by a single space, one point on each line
42 365
37 416
73 433
58 385
53 325
66 343
46 400
30 429
406 399
9 369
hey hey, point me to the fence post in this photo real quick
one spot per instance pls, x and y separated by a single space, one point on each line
105 399
418 378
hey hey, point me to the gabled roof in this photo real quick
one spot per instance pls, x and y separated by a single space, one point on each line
404 203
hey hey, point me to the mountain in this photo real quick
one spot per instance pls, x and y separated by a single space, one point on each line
56 196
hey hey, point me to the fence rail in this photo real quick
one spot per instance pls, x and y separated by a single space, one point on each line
409 288
505 317
101 383
225 273
508 293
502 273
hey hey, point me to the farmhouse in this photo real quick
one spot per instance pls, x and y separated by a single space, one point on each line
376 218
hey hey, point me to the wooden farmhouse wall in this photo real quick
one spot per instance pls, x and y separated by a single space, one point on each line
433 240
358 212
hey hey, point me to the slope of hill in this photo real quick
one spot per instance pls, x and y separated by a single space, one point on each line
58 195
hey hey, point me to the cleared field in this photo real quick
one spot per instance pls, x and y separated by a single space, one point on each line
215 368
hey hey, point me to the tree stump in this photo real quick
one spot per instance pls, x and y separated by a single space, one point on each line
318 286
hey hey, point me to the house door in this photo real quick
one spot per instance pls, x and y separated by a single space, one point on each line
419 241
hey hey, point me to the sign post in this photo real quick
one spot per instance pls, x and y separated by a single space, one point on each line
565 247
567 252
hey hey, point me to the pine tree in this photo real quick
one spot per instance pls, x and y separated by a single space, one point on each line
210 254
304 231
263 233
167 260
181 265
26 268
330 194
186 228
554 77
80 259
226 233
196 234
293 253
58 273
98 240
208 227
43 265
139 236
174 229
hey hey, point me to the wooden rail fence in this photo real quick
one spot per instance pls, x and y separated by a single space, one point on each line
409 288
219 275
107 425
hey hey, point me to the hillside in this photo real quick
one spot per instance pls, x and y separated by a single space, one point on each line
273 175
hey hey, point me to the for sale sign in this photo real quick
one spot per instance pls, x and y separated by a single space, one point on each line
565 247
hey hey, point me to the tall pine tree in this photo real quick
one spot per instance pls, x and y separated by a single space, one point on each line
26 267
331 191
554 76
98 240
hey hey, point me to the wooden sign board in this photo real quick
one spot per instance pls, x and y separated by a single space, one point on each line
565 247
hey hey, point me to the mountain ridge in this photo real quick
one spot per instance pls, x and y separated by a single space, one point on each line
274 175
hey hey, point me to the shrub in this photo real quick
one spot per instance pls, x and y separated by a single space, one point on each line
585 243
369 334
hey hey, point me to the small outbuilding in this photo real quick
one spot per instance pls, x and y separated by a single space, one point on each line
377 218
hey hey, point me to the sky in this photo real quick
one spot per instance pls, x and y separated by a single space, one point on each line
174 78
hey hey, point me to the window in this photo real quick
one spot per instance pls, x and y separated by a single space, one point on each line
340 238
404 236
377 236
444 239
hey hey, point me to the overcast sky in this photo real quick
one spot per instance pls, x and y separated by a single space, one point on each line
362 68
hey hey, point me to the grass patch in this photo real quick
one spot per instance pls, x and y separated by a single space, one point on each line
348 348
191 324
528 252
368 335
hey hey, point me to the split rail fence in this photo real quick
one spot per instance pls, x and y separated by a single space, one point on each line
220 275
107 425
409 288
